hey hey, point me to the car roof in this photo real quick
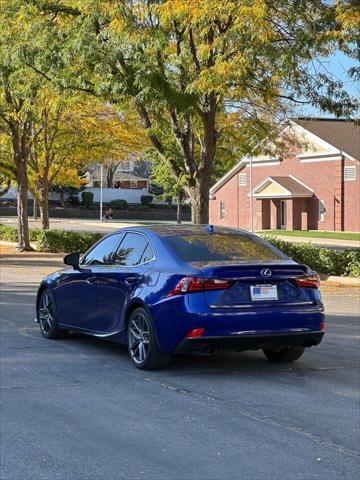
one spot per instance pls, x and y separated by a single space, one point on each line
174 230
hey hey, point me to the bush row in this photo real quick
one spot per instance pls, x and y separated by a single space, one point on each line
323 260
65 241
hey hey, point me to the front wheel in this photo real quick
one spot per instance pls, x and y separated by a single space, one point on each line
47 317
287 354
142 345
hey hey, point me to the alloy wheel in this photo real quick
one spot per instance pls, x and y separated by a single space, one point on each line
46 313
139 338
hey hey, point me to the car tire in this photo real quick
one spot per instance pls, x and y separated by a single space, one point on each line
142 343
47 317
288 354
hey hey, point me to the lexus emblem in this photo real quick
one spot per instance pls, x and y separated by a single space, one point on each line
266 272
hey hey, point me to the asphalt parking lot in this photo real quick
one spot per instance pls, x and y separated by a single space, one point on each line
77 409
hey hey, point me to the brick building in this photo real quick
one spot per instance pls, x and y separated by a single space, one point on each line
314 185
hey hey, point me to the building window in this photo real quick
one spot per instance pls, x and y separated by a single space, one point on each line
350 173
133 184
242 179
321 210
222 210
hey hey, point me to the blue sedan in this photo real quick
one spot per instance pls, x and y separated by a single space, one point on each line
168 289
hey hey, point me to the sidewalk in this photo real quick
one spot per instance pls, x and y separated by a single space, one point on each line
322 242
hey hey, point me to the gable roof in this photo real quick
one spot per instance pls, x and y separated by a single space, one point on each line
285 187
342 134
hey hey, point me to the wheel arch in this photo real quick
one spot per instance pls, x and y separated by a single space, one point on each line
138 303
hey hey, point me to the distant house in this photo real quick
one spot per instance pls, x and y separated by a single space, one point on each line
314 185
124 177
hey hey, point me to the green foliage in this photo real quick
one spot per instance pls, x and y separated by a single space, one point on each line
146 200
322 260
87 199
10 234
119 204
65 241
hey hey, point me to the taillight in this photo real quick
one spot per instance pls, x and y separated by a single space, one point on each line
196 284
310 281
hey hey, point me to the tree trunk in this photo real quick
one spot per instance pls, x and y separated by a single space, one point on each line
199 196
22 209
62 198
35 210
110 177
178 210
44 210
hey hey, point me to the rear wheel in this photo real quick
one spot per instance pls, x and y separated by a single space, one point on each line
287 354
142 345
48 318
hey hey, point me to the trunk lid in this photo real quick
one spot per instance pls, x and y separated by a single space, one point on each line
248 280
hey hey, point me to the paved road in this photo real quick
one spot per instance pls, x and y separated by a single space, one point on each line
77 409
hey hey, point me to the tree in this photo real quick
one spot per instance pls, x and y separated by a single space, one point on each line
182 64
172 187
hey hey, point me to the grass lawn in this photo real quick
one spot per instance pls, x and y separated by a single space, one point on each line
313 234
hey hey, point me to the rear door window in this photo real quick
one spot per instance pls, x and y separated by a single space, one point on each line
131 250
222 247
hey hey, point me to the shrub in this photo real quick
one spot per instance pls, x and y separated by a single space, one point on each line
10 234
323 260
146 200
87 199
143 208
119 204
65 241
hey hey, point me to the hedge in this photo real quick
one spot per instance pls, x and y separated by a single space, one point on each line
65 241
10 234
323 260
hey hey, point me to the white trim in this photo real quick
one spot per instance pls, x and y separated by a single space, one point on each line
266 164
318 160
317 154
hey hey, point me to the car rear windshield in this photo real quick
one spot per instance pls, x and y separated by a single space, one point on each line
222 247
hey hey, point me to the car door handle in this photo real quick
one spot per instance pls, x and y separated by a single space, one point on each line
91 280
131 280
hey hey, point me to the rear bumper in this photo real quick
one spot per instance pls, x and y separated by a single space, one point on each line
251 342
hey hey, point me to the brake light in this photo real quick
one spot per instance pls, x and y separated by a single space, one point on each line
322 326
310 281
196 284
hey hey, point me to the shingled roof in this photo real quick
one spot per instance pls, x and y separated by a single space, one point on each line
341 134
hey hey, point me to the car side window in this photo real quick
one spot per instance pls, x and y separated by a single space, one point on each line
147 255
105 252
131 250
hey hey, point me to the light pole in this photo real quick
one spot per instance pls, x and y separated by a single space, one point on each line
251 196
101 192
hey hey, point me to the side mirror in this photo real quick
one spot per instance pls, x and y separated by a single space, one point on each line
72 259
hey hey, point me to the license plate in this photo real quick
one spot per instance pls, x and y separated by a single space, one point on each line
262 293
